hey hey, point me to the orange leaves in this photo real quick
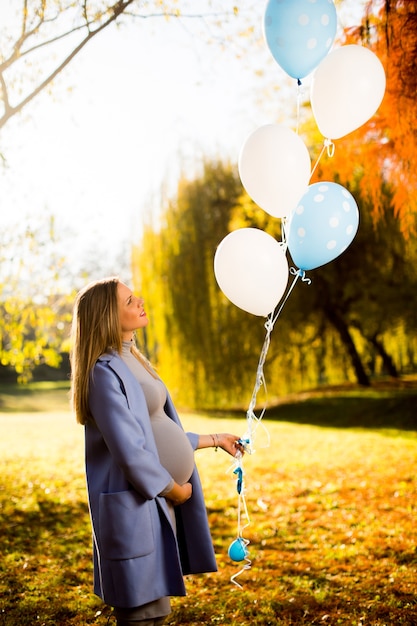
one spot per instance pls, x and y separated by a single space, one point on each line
384 149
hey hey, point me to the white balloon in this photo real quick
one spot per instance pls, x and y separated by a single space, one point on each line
346 90
251 269
275 168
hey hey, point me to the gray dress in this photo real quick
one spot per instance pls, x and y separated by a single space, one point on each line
174 449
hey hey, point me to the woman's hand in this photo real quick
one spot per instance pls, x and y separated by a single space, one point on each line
226 441
229 443
179 493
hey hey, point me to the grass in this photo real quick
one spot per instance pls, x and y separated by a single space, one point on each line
331 516
34 397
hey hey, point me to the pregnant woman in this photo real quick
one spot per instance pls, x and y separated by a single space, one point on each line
146 504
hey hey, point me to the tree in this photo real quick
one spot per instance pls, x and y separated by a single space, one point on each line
330 331
379 156
383 150
367 294
205 348
44 36
35 306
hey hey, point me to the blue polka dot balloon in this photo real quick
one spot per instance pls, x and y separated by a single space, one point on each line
322 226
299 33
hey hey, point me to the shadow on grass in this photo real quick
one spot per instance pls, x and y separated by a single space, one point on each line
392 412
34 397
46 571
385 406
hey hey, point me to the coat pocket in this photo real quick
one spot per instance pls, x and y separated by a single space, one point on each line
125 522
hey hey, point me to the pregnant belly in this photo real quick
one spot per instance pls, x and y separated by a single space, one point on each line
174 448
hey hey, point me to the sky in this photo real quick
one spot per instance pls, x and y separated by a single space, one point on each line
139 105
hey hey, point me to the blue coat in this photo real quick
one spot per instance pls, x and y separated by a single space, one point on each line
137 555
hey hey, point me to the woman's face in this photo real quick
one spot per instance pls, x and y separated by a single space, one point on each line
131 312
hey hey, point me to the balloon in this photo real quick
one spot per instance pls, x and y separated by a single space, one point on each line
252 270
237 550
299 33
275 168
346 90
322 226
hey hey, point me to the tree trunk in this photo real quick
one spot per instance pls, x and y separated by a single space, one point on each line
340 325
387 360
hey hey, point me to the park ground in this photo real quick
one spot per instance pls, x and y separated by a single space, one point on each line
330 493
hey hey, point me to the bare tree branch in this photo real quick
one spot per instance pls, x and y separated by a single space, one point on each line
92 22
9 111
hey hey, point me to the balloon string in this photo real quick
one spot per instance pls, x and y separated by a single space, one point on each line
297 274
329 146
284 222
248 565
253 420
251 417
242 500
242 510
299 94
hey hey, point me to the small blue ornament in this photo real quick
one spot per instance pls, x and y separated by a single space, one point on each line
239 484
237 550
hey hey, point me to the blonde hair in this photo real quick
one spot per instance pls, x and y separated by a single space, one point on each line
95 330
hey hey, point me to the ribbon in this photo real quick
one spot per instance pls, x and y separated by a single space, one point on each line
327 145
253 422
242 511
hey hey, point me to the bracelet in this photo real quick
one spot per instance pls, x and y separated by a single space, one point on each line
216 445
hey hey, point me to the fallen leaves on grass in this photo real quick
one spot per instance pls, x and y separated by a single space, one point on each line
332 531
